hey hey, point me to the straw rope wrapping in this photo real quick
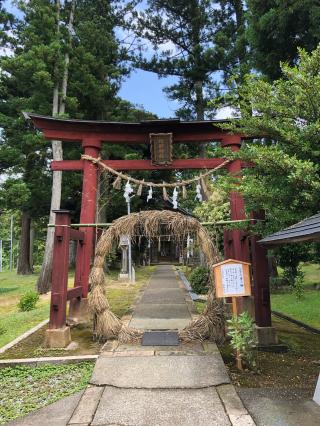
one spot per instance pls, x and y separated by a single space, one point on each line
122 176
149 224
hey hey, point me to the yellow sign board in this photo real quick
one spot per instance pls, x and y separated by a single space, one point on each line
232 278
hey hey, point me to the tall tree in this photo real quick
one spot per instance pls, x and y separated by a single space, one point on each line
60 81
83 66
285 150
231 40
276 29
182 36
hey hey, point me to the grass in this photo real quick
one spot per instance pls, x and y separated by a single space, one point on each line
24 389
12 321
312 274
121 296
306 309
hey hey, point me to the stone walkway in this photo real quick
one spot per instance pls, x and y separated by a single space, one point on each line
164 304
134 385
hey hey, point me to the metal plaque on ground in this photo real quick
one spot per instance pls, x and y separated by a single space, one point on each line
160 338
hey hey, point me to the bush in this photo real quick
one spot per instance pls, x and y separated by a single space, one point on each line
298 287
199 280
28 301
240 329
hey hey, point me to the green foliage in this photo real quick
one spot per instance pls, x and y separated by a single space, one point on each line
288 257
216 208
194 42
190 56
277 28
298 286
24 389
285 181
28 76
199 280
240 329
28 301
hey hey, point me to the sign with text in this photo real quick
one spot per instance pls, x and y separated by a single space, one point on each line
232 278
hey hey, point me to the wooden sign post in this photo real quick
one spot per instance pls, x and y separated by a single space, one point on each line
232 279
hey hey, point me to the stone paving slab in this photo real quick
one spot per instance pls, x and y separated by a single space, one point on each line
87 406
280 407
137 407
165 311
159 323
170 282
163 295
56 414
162 372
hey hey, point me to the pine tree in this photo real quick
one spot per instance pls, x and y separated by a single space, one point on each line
182 35
55 69
277 28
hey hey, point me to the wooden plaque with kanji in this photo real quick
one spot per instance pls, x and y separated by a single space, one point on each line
232 278
161 148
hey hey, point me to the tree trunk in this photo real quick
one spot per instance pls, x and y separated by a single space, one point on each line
200 110
24 267
44 280
272 263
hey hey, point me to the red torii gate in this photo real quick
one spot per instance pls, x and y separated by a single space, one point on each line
91 135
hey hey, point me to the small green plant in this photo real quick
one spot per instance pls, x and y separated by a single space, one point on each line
199 280
28 301
240 329
298 287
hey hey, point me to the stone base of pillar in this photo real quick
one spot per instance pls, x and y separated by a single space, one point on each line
265 336
79 312
57 337
123 277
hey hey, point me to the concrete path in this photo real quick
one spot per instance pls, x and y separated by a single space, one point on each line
164 303
134 385
160 386
184 385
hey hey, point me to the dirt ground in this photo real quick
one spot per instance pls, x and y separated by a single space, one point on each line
295 371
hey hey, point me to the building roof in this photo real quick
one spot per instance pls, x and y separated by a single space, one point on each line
306 230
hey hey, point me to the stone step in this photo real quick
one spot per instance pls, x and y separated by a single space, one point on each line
160 372
158 310
140 407
160 323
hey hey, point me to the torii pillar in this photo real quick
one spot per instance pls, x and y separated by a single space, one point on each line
78 311
239 245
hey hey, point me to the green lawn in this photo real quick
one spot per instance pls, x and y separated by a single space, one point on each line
24 389
13 322
312 274
307 309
